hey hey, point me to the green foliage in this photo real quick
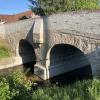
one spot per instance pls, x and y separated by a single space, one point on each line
55 6
16 87
4 51
23 17
4 89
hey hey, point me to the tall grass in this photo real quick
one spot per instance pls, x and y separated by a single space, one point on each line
16 87
84 90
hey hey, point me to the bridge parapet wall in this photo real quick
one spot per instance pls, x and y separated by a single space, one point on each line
23 25
83 22
14 32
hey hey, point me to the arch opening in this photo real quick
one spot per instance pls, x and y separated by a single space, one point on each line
67 63
27 53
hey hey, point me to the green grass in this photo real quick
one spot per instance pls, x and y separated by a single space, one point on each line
16 87
4 51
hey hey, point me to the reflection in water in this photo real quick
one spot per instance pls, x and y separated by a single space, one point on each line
27 53
68 63
74 75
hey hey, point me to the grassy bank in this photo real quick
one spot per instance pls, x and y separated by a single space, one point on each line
4 49
17 87
4 52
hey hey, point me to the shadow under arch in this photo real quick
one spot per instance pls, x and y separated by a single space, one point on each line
27 53
66 64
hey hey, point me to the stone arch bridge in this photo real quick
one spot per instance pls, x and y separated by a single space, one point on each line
57 44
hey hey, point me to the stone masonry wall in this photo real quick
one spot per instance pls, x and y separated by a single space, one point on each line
81 30
2 31
90 47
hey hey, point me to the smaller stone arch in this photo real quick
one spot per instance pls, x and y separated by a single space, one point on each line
27 53
67 60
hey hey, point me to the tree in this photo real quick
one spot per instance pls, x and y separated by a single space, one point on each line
23 17
47 7
36 7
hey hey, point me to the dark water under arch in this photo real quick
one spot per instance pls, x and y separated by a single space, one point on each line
69 56
26 51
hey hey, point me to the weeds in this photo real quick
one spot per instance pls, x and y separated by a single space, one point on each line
16 87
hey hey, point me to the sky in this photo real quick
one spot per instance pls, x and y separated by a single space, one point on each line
13 6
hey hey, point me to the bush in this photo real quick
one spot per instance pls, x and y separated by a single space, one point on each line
16 87
4 89
23 17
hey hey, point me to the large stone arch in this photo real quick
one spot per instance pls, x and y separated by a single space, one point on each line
87 43
64 58
81 42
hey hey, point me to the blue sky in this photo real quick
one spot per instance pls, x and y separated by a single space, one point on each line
13 6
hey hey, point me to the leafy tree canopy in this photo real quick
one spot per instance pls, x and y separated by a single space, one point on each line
47 7
23 17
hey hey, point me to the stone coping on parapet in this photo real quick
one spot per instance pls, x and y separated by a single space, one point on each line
76 12
20 21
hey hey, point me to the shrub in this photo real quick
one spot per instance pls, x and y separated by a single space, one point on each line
16 87
23 17
4 89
